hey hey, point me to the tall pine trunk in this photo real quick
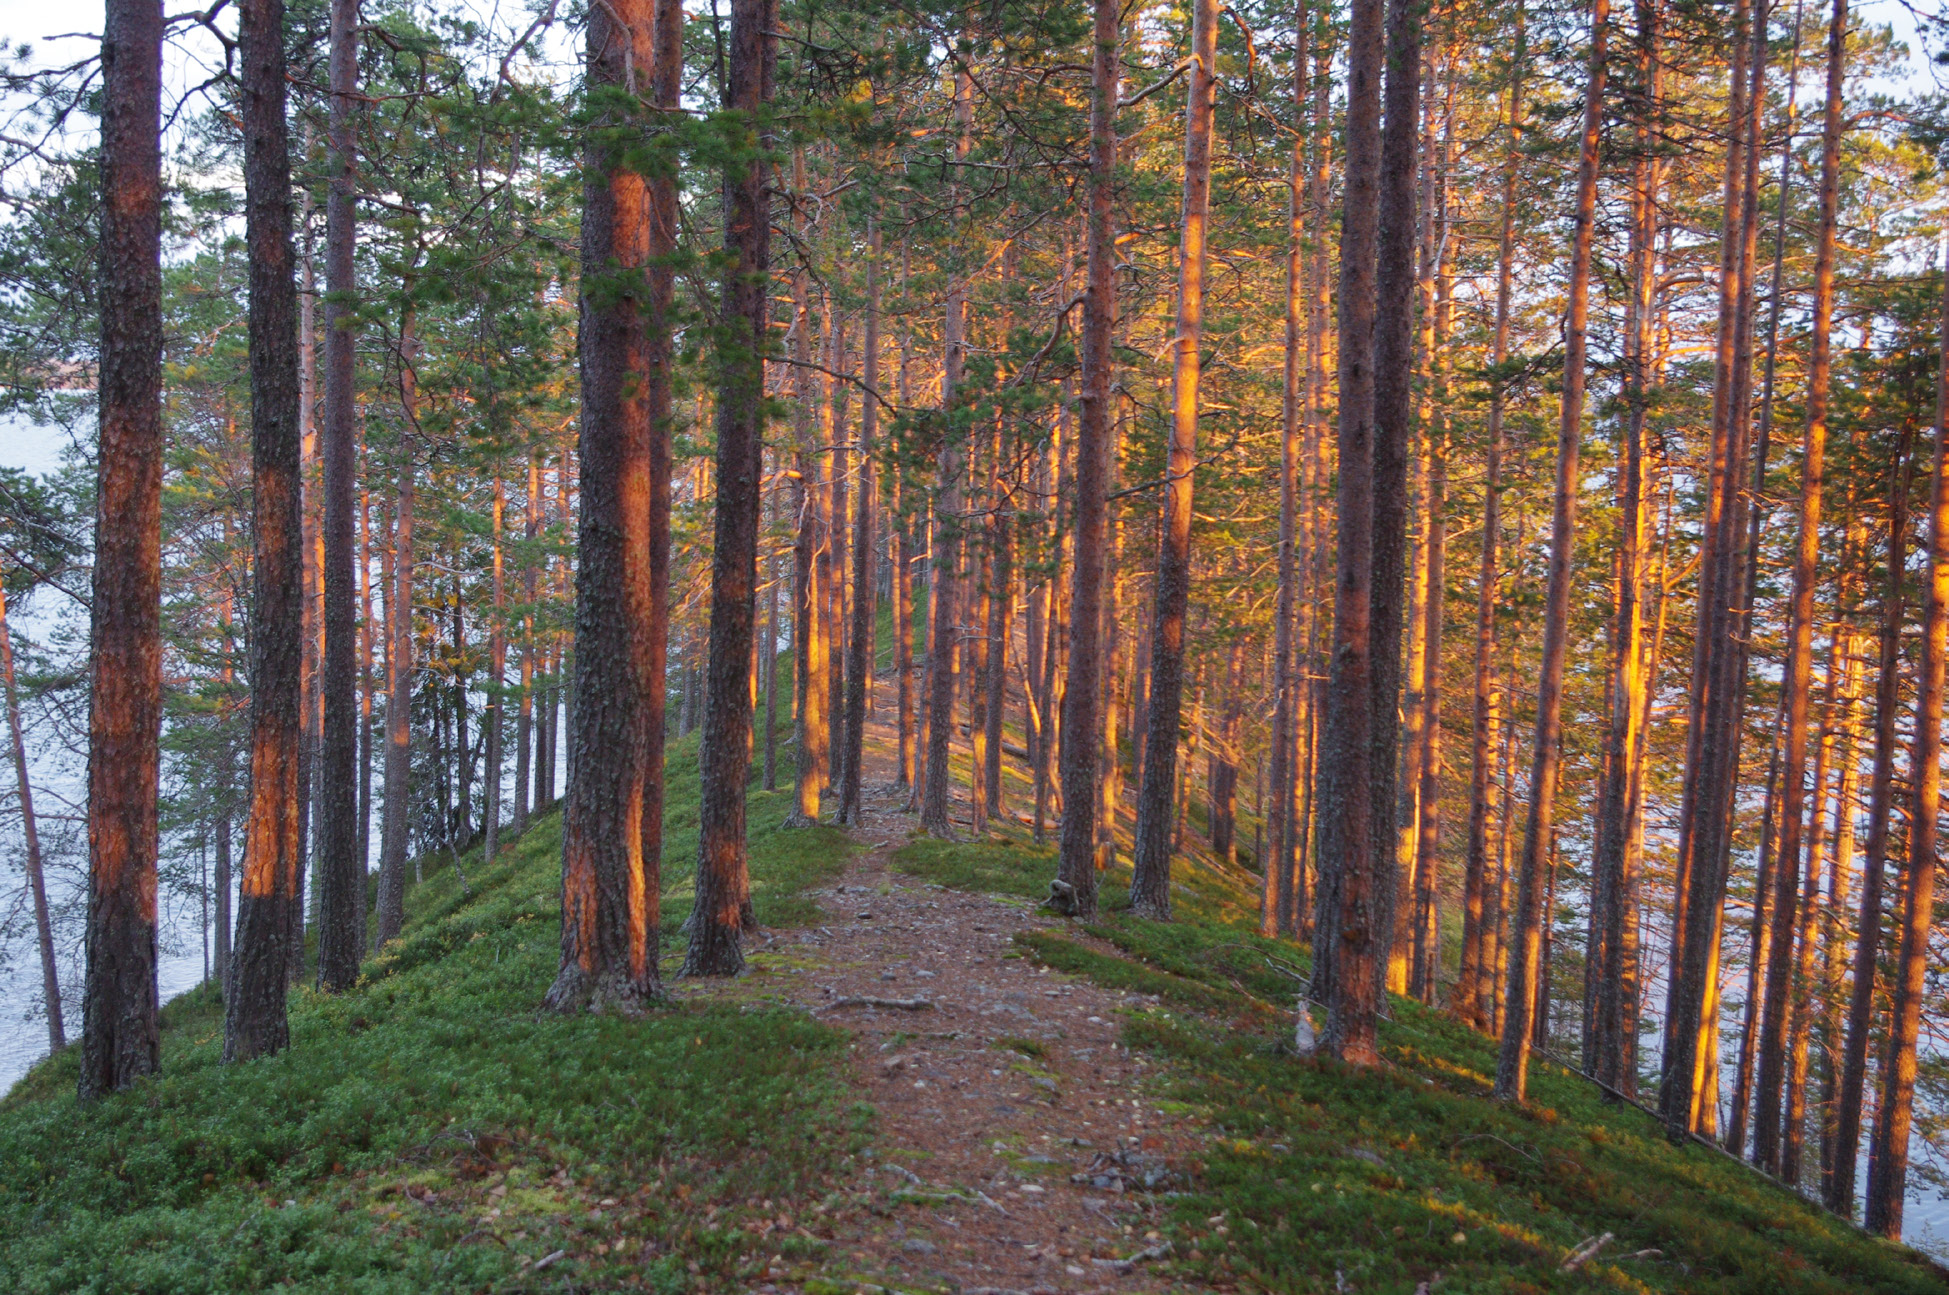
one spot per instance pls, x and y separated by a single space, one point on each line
1394 368
1699 887
666 89
341 874
1623 789
1521 1000
1150 882
1344 901
1861 1014
524 723
811 729
1083 688
36 877
945 546
1894 1117
903 638
1771 1129
362 848
1426 962
609 921
860 636
1485 714
120 1039
1275 898
497 666
723 905
394 827
254 1017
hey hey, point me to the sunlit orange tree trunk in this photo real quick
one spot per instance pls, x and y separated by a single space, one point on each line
723 905
254 1019
1520 1001
1076 863
1485 715
609 921
120 1041
1150 882
1888 1159
1347 848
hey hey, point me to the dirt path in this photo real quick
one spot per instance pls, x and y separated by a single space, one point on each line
1019 1149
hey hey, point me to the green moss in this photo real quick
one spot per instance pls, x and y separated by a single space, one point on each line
440 1074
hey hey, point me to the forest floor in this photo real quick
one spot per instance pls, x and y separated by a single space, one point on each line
1020 1146
926 1083
1061 1108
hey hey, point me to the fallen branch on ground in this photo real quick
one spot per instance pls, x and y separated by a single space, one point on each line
1584 1253
1158 1251
899 1004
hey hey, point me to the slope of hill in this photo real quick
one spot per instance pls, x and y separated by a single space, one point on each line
433 1131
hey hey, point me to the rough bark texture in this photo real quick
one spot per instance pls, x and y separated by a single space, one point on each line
1150 882
362 848
1276 898
1700 883
723 908
860 635
341 873
254 1018
1512 1063
1771 1128
120 1042
1425 969
1623 789
1345 936
666 88
1485 715
609 922
834 557
1808 939
1394 366
1077 733
998 630
945 547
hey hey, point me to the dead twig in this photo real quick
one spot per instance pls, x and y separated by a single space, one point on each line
1584 1253
1159 1251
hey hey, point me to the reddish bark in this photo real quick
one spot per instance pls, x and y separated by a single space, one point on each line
1466 997
1150 882
120 1041
1520 1002
1082 692
254 1017
860 636
723 906
1344 930
609 922
341 873
1888 1164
